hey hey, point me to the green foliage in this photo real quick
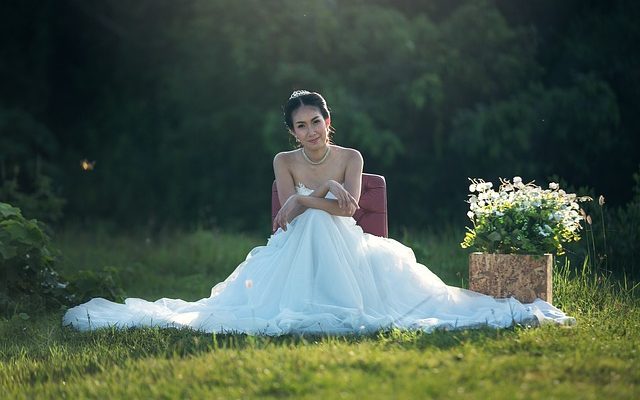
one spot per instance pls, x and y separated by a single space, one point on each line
542 131
613 236
521 218
28 268
624 234
184 264
42 203
179 104
26 145
27 260
105 283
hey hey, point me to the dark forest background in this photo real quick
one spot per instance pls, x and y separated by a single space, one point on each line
178 102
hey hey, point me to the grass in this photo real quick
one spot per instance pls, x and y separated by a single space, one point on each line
598 358
172 265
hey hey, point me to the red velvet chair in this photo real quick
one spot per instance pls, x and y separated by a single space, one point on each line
372 214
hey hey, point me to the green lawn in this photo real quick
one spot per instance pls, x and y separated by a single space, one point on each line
598 358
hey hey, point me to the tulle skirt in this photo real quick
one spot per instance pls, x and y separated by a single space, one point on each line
322 276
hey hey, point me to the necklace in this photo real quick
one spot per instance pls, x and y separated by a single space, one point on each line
310 161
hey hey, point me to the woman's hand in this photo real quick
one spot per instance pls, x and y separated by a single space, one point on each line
286 213
344 198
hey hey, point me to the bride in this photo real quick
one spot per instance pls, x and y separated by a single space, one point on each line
319 273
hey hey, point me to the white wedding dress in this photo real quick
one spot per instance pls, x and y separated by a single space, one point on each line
322 275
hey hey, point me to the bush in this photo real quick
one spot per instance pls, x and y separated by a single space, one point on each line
41 203
30 282
26 265
105 283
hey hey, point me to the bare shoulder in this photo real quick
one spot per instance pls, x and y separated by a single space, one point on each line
284 158
349 155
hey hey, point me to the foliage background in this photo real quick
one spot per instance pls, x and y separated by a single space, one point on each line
178 102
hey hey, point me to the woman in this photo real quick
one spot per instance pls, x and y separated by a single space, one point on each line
319 273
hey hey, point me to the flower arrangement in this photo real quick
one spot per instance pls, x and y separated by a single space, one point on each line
521 218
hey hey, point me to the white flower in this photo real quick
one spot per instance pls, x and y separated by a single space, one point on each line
560 207
472 187
543 232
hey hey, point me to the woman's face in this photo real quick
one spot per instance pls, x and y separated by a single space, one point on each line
309 127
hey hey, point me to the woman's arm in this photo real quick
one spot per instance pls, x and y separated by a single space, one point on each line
284 180
345 204
329 205
347 196
286 193
353 174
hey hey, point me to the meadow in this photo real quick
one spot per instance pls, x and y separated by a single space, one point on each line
597 358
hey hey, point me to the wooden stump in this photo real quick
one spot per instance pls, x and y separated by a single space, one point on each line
525 277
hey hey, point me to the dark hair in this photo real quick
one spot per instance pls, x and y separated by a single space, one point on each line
301 98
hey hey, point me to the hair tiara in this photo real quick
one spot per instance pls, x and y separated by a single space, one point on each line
298 93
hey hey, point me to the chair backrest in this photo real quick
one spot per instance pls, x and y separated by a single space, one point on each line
372 214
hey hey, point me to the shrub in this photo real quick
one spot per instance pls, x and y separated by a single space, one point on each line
30 282
26 265
105 283
41 202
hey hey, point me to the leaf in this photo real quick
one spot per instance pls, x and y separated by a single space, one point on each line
7 210
494 236
16 230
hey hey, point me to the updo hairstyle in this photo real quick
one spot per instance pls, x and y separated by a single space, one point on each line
301 98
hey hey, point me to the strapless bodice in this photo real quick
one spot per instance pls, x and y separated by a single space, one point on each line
303 190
